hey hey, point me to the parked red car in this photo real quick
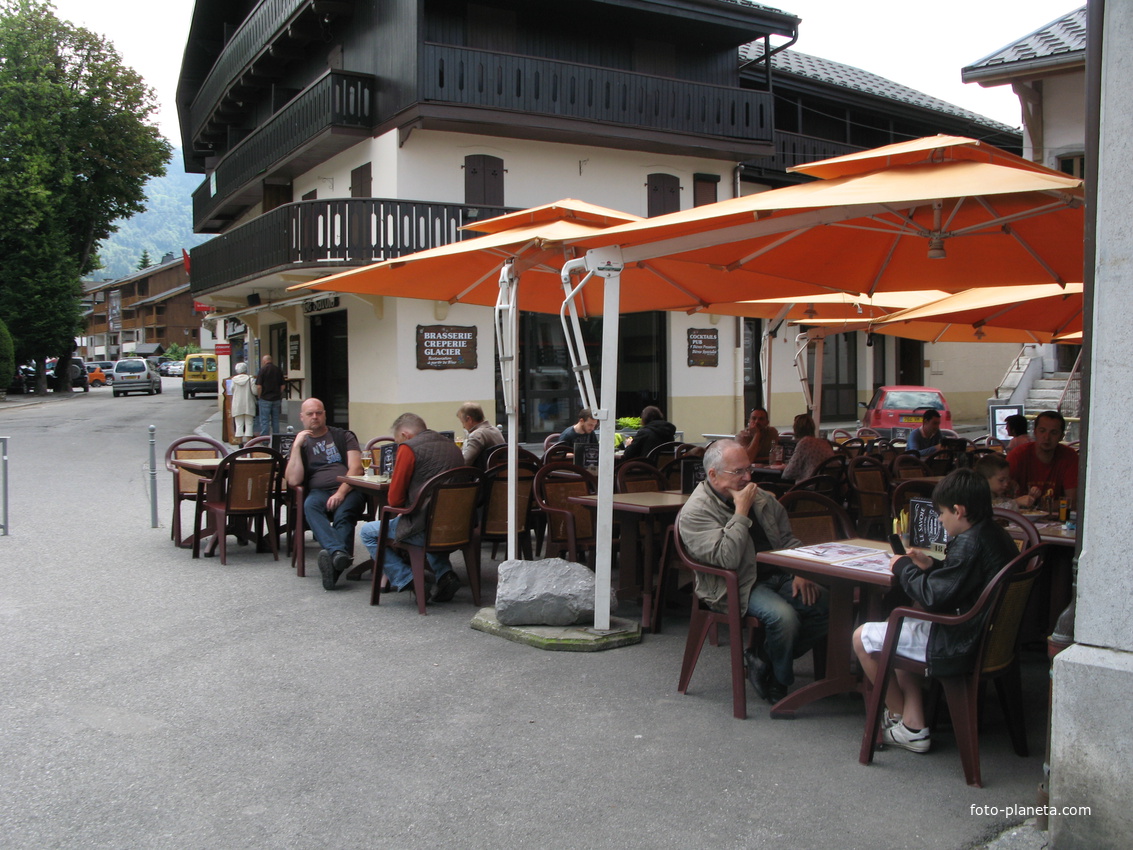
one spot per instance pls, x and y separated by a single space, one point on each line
895 411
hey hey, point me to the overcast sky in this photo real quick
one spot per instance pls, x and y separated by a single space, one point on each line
920 44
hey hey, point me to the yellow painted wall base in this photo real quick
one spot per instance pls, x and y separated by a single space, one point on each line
700 415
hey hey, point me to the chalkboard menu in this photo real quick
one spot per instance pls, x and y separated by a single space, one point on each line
925 530
282 444
586 456
385 459
692 473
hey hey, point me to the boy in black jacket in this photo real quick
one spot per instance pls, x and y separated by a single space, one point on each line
977 550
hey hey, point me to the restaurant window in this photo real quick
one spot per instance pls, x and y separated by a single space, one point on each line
839 376
483 181
664 194
704 189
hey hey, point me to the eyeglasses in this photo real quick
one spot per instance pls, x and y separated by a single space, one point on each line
743 470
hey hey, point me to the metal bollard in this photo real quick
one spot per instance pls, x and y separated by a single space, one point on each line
4 490
152 476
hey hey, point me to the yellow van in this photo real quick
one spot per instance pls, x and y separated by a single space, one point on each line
199 374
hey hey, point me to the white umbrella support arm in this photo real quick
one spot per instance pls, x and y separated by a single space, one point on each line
507 322
572 333
606 263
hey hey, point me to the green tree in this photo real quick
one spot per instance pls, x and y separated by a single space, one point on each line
7 358
77 145
145 262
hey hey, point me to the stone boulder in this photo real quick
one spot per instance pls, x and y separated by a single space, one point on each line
551 592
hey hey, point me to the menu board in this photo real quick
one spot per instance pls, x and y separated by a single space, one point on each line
385 459
925 530
692 473
282 444
586 456
703 347
446 347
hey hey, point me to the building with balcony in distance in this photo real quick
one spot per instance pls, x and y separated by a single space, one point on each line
333 134
150 307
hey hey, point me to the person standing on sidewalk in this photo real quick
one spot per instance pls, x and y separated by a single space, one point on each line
243 404
269 383
318 456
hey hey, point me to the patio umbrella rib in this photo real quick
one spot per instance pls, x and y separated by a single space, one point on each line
643 264
782 240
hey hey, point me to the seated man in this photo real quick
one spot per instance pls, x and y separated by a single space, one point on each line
726 522
978 549
421 454
758 437
1044 468
654 432
319 455
581 431
925 440
481 434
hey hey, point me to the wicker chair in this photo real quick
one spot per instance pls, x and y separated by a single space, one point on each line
494 523
570 527
815 518
245 486
869 496
185 482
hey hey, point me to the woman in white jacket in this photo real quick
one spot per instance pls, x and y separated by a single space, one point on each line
243 404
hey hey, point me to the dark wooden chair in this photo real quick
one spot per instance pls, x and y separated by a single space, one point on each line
550 440
816 518
244 487
941 462
823 484
558 452
836 468
493 510
185 482
852 448
497 456
1001 605
664 454
637 476
570 527
703 620
449 500
869 496
906 490
909 465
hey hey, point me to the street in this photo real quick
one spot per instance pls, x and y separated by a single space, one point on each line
154 701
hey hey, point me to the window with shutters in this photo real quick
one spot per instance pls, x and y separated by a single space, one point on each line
664 194
483 180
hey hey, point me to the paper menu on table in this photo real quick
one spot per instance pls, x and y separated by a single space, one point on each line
848 555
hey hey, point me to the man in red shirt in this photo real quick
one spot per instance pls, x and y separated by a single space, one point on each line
421 454
1045 468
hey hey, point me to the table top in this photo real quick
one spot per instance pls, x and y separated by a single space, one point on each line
197 464
837 564
647 502
365 482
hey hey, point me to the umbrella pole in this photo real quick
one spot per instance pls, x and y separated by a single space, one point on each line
507 321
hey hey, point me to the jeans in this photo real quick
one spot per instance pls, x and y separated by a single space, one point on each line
791 627
396 568
333 532
268 416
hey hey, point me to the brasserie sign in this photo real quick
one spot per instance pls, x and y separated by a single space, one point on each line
446 347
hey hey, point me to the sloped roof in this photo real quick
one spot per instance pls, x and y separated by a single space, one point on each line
1061 42
848 77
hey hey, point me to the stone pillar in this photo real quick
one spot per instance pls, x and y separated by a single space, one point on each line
1092 737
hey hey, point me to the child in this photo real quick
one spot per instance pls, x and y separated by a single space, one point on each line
997 471
978 548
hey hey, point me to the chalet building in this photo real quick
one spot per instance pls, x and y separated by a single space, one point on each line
132 314
334 134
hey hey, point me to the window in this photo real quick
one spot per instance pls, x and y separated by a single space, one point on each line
664 194
704 189
1074 165
483 181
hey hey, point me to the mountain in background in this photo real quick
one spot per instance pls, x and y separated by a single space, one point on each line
166 225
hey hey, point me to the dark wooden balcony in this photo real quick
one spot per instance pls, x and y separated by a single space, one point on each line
610 101
794 149
327 118
333 234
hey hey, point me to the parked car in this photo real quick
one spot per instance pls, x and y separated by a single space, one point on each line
95 376
23 381
107 367
896 410
176 369
200 374
78 370
166 367
136 375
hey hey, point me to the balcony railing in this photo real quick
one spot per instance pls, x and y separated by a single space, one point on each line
794 149
334 234
466 77
336 100
246 43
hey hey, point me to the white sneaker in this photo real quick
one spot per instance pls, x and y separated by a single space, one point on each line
889 719
900 735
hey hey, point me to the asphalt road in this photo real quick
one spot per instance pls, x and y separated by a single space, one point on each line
151 701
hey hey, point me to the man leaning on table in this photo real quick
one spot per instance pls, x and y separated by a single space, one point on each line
1044 467
318 456
481 434
726 522
421 454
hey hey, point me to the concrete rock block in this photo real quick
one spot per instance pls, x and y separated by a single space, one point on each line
550 592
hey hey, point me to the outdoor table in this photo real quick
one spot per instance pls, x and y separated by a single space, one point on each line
840 581
653 505
767 471
1055 587
205 467
375 491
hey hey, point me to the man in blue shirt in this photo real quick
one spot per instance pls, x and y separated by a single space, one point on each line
926 439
